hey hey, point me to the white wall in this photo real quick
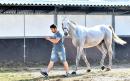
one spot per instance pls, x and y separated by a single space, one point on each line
122 25
38 25
11 25
35 25
92 20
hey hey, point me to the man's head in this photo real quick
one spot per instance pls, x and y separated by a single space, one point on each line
53 28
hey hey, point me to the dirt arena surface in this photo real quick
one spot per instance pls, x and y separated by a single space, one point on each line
118 73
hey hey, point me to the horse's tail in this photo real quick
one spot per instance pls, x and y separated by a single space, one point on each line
116 38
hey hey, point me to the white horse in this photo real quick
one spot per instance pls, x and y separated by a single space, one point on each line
100 36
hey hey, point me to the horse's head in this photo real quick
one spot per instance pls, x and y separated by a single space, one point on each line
65 26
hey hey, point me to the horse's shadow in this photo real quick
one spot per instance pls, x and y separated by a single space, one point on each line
51 78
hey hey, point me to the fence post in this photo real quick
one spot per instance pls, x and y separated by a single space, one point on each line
113 25
55 15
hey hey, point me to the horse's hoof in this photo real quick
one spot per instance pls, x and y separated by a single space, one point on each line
108 69
89 70
73 73
103 67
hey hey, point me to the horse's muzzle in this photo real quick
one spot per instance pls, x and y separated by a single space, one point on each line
66 34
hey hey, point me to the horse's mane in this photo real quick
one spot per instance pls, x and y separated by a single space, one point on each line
72 22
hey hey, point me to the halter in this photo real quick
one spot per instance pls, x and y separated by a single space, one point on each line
65 28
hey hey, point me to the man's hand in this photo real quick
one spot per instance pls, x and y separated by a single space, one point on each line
47 38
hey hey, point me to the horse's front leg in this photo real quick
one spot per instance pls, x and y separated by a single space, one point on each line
77 60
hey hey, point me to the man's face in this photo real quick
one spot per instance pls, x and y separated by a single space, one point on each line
54 30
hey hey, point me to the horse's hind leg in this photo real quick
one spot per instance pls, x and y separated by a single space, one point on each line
86 61
103 50
110 58
108 43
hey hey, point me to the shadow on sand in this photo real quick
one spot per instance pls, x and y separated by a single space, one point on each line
52 78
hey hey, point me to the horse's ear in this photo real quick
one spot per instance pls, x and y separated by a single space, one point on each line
65 19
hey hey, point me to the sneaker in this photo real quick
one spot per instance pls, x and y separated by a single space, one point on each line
66 75
44 74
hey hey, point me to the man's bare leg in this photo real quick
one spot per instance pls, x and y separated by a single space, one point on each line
50 66
66 67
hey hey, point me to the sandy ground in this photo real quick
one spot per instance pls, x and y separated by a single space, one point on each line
118 73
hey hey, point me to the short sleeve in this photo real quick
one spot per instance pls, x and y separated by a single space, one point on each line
58 36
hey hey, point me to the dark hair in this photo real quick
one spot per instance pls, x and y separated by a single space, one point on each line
53 26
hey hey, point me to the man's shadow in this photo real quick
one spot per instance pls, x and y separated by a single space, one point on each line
51 78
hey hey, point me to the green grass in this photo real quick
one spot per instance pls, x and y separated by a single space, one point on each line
18 74
15 76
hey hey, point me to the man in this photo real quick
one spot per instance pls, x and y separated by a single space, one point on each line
58 51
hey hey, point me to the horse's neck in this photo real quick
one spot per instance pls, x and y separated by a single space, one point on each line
71 25
72 29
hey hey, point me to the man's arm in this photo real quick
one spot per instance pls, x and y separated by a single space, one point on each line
54 41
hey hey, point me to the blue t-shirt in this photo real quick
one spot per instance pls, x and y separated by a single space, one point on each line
60 45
